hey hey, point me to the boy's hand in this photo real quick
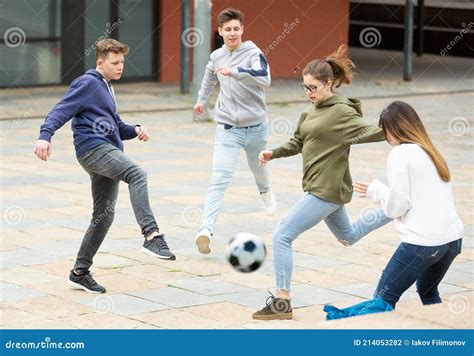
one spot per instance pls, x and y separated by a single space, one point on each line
223 71
142 133
43 149
199 108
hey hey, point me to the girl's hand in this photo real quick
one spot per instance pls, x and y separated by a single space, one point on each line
264 157
361 188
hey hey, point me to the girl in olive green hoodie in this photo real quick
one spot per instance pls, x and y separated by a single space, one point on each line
326 130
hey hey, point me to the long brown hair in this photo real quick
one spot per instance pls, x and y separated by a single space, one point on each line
403 123
336 67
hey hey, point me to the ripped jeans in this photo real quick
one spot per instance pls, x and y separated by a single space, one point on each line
305 214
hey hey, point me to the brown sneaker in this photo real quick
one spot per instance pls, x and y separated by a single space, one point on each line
276 309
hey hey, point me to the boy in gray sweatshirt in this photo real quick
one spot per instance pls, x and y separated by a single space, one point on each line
240 112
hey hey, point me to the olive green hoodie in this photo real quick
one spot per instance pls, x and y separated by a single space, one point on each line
324 136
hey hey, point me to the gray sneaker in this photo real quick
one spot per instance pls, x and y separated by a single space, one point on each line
158 247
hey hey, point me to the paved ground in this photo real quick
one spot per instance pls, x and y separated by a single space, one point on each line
46 208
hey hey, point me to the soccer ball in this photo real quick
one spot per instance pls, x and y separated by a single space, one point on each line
246 252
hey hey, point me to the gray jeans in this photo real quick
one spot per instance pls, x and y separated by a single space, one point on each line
107 166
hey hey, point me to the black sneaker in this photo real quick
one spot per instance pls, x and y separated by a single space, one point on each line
276 309
85 282
157 247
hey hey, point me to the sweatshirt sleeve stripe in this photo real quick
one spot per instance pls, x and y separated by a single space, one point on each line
263 72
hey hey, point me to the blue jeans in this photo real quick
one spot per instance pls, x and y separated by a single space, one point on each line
227 146
305 214
425 265
107 166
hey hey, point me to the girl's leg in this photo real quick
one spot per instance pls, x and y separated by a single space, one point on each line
305 214
407 264
348 232
427 284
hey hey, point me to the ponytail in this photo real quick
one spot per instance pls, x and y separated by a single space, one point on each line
337 67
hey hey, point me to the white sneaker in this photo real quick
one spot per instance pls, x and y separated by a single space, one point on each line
270 202
203 239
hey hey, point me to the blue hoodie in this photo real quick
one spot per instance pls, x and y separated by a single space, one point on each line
90 103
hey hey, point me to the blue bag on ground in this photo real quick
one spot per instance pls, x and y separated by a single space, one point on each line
377 305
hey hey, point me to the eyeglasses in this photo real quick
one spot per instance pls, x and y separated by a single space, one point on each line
310 88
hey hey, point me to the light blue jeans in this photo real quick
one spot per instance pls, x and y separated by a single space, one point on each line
227 146
305 214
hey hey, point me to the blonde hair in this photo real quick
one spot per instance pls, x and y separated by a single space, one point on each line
403 123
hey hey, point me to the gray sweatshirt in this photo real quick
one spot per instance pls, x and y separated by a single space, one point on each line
241 100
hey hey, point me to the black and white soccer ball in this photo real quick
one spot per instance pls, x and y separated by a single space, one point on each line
246 252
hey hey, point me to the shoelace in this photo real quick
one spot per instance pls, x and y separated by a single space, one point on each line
269 301
89 279
160 241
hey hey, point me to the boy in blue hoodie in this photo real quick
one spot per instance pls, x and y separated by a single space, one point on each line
243 74
98 135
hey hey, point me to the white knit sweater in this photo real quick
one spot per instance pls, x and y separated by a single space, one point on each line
420 203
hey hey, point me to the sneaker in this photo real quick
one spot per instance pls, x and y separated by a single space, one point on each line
85 282
203 239
157 247
276 309
270 202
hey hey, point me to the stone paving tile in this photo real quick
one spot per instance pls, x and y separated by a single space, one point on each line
230 313
208 286
12 292
28 257
311 295
322 279
105 321
180 319
50 307
258 280
174 297
121 304
256 299
25 276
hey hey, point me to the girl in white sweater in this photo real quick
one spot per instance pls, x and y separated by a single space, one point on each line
420 200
